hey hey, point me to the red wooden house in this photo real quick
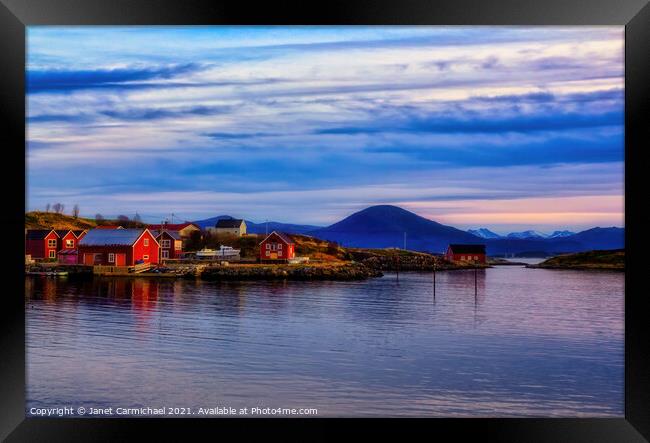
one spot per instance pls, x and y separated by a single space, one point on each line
118 247
41 243
466 253
67 239
171 243
277 247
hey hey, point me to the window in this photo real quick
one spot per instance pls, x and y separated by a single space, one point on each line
268 252
146 242
476 257
274 247
69 243
53 254
111 257
178 245
268 246
51 243
279 246
462 257
165 244
165 253
145 257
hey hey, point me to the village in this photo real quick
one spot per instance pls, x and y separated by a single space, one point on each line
223 251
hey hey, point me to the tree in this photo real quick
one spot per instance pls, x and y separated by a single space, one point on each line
137 218
99 218
75 211
58 208
47 207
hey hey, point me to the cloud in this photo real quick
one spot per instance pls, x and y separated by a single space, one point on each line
70 80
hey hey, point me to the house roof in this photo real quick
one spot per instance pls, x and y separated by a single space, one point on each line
173 234
284 237
229 223
467 249
111 237
62 232
38 234
174 226
78 232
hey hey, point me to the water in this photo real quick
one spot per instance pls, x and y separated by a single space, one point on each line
532 342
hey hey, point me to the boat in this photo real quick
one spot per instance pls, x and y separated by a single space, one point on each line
224 252
48 273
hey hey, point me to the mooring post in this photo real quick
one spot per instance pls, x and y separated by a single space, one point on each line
434 279
475 279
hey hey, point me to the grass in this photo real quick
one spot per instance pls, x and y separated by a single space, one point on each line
52 220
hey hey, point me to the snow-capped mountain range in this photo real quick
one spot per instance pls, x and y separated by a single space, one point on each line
486 233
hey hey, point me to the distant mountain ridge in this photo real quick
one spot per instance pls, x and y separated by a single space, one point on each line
260 228
386 226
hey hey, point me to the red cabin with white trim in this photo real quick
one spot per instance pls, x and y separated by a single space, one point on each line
277 247
41 243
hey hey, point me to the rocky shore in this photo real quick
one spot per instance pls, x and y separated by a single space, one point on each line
345 271
407 261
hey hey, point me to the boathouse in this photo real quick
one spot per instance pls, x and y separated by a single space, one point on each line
466 253
118 247
41 243
171 244
277 247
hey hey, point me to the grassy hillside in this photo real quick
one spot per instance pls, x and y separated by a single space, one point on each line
51 220
608 259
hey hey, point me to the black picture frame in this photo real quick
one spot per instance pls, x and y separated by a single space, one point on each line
15 15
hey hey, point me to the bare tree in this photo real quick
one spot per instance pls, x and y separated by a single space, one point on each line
47 207
137 218
123 218
75 211
58 208
99 218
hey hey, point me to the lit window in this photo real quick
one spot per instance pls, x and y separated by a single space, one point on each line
69 243
145 257
268 253
111 257
146 242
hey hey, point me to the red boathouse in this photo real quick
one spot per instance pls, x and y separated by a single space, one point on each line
466 253
67 240
277 247
118 247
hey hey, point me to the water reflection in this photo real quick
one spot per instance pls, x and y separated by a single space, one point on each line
528 342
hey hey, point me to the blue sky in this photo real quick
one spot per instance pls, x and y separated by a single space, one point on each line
500 127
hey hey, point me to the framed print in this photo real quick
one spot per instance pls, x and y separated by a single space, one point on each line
373 215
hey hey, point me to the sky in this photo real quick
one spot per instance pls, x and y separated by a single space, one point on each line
508 128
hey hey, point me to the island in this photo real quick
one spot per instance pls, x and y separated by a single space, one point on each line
611 260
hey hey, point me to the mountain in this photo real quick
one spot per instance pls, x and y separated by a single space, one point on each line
483 233
384 226
260 228
558 234
527 234
600 238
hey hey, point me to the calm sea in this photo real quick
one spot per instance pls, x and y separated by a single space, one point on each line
531 342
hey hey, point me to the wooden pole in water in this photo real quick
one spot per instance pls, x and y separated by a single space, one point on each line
397 266
434 279
475 279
